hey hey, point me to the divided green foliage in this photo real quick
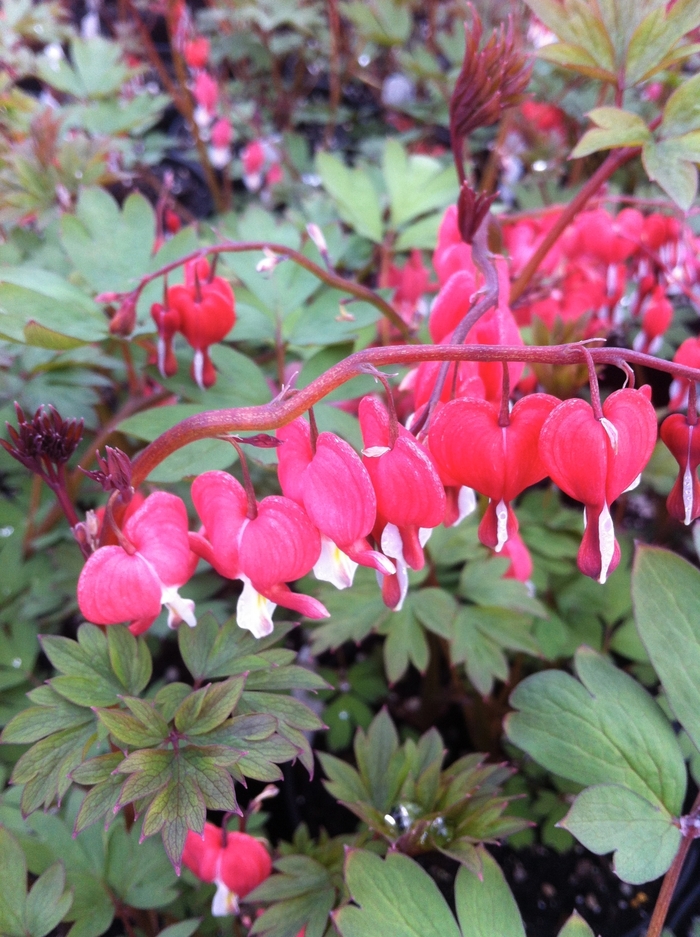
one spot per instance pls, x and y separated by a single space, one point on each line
403 794
39 912
607 731
396 896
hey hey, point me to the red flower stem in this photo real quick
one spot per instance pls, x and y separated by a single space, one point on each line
110 524
614 161
391 406
281 411
252 512
692 415
314 429
663 902
504 415
593 383
330 277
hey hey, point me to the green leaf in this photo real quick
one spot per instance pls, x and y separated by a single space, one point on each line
99 800
182 928
485 905
41 308
682 110
666 597
655 37
176 809
615 127
13 875
406 643
395 896
112 249
128 730
577 59
354 194
207 708
576 927
604 730
483 583
48 902
130 659
416 184
665 165
37 722
608 818
436 610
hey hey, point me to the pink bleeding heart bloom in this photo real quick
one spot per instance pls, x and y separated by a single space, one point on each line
206 92
335 489
688 353
117 586
410 496
278 545
237 867
683 441
656 318
503 463
595 460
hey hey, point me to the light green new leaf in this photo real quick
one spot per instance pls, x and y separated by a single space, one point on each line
130 659
354 194
395 896
655 38
607 818
666 598
416 184
676 175
604 730
182 928
576 927
13 875
47 902
486 906
682 110
615 127
575 58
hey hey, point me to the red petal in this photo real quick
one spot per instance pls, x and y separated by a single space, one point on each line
305 605
279 545
408 487
158 530
589 554
221 503
293 458
115 587
635 420
488 528
451 304
245 863
201 853
452 435
374 422
574 450
338 493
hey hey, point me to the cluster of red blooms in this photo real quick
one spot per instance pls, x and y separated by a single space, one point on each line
339 510
616 269
203 309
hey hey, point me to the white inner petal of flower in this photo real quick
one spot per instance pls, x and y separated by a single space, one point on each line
635 483
225 901
373 452
392 546
611 430
334 566
161 356
606 538
198 368
502 529
688 483
466 504
254 611
179 609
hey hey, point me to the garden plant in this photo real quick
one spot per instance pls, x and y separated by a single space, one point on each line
349 507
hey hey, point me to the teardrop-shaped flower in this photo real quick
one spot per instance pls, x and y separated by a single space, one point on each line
236 868
277 546
470 446
336 491
683 440
118 586
207 313
595 460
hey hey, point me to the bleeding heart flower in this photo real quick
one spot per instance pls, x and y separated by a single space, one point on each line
336 491
688 353
117 585
683 440
520 560
197 52
470 446
451 253
410 496
595 460
279 544
237 865
168 323
207 313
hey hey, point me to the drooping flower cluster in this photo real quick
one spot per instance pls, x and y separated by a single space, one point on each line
203 309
